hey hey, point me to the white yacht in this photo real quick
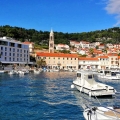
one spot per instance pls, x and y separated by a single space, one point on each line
85 82
109 74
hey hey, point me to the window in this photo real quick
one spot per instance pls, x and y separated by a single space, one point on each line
89 76
12 44
5 48
13 49
19 46
51 45
78 74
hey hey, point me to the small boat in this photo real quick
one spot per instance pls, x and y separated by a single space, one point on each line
85 82
102 113
108 74
12 72
37 71
20 72
1 71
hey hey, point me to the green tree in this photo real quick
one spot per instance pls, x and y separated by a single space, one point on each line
41 63
91 51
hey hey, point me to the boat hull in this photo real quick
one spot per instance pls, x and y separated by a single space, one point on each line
97 92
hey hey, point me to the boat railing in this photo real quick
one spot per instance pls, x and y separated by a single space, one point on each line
113 110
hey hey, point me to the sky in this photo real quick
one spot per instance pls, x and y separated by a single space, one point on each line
67 16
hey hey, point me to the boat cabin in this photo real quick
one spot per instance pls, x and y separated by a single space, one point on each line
86 77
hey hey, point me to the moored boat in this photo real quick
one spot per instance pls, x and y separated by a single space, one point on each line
85 82
109 74
1 71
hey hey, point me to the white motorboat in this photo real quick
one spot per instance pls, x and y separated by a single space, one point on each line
1 71
37 71
108 74
102 113
20 72
85 82
12 72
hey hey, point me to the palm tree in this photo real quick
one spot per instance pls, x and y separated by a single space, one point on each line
41 63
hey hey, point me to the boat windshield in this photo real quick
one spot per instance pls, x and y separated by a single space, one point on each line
113 73
90 76
78 74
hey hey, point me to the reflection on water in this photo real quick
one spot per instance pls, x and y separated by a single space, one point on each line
84 99
47 96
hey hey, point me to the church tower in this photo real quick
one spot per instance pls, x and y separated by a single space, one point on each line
51 42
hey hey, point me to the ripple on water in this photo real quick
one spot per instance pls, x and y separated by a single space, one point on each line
46 96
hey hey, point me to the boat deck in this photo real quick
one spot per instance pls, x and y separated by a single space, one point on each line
113 113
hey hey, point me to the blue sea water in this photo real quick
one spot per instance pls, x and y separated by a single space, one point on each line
46 96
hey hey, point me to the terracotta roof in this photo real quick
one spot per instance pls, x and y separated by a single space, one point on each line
86 58
56 55
27 42
103 57
112 54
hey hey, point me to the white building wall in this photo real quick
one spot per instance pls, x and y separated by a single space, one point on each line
15 53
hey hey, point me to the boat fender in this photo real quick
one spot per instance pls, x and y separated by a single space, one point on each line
81 89
107 88
114 91
72 86
90 93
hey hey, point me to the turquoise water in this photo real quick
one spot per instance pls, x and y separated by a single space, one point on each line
46 96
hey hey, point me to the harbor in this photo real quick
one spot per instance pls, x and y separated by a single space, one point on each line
47 95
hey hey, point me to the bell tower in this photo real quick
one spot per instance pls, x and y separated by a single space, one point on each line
51 42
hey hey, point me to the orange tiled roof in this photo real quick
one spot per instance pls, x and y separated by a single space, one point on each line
56 55
112 54
86 58
103 57
26 42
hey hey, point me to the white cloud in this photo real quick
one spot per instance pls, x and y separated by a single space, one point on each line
113 7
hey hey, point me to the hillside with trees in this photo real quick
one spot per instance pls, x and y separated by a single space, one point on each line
111 35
